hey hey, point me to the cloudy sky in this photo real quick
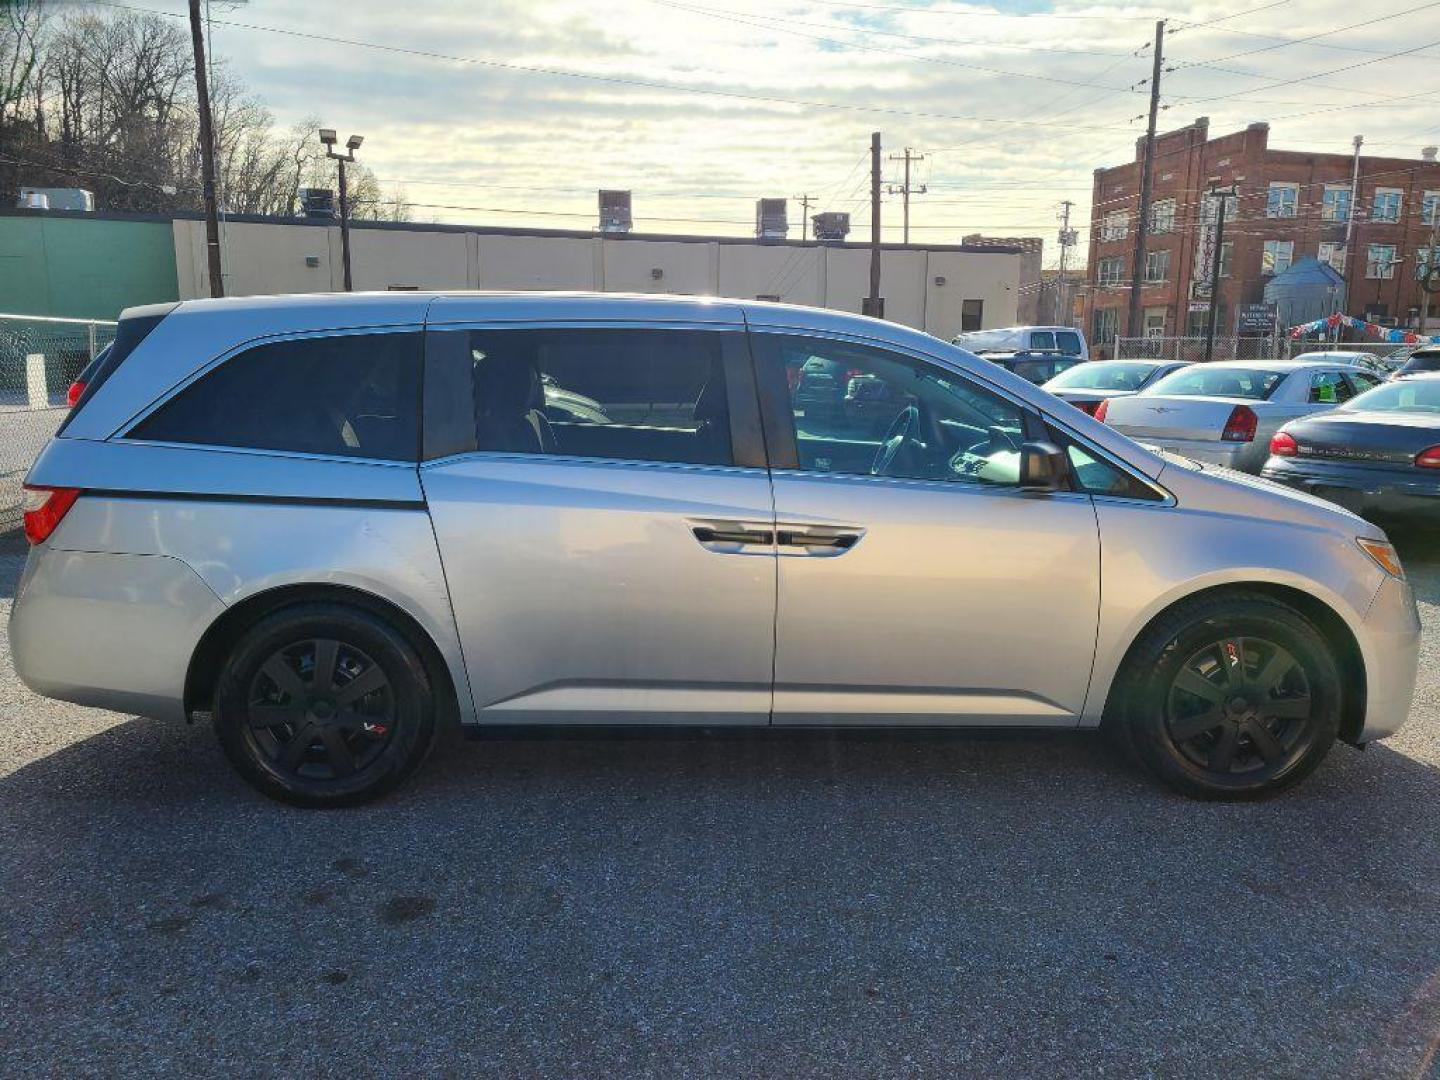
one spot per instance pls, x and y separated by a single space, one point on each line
508 111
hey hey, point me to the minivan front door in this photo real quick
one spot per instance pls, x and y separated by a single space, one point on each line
917 583
604 519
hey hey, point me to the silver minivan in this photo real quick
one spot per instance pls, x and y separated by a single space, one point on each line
331 525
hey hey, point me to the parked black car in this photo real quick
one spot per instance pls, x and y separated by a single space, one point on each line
1421 362
1378 454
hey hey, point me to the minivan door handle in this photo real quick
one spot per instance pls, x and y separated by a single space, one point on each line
819 541
733 537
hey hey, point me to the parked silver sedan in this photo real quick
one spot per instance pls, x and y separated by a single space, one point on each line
330 525
1224 413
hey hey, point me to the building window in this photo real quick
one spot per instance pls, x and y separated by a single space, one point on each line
972 315
1155 322
1277 257
1423 260
1157 265
1380 261
1107 320
1282 201
1332 255
1335 204
1387 205
1226 250
1430 208
1110 270
1162 216
1116 225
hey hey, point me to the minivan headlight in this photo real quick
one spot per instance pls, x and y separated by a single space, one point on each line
1384 554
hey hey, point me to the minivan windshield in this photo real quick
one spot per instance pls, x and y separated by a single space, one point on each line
1201 380
1103 375
1412 395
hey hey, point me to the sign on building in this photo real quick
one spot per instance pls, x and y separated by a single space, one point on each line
1255 320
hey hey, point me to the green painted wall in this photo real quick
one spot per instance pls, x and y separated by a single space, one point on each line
84 267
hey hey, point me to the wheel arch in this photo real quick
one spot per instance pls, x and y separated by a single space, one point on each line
209 656
1330 623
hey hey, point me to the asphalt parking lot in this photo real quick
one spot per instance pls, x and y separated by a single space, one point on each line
738 905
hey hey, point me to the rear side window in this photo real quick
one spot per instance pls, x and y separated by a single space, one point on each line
623 394
350 395
1068 342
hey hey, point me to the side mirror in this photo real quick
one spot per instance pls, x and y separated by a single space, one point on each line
1043 467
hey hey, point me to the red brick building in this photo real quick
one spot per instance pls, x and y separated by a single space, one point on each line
1289 205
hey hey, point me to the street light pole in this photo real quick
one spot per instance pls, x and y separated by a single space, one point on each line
327 136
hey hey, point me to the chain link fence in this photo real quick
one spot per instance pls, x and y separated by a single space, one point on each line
1191 350
39 359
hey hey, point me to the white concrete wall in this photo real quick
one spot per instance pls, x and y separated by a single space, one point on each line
270 258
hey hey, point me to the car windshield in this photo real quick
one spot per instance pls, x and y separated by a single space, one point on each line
1201 380
1413 395
1103 375
1426 361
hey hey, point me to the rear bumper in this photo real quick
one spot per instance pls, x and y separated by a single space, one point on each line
1245 457
1364 490
1390 643
110 631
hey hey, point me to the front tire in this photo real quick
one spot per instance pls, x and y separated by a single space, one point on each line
1231 696
321 705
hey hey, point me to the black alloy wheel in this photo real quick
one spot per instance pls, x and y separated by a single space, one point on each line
1229 695
324 705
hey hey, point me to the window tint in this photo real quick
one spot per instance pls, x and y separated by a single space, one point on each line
1068 342
868 412
1042 339
354 395
634 395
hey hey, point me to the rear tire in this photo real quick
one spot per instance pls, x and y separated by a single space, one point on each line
322 705
1230 696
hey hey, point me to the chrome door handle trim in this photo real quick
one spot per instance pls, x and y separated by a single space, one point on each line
801 538
710 534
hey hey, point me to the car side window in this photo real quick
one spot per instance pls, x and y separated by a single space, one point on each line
349 395
1364 380
1329 388
864 411
1042 339
622 394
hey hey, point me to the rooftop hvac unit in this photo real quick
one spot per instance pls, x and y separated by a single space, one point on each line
831 225
317 203
615 211
59 198
770 219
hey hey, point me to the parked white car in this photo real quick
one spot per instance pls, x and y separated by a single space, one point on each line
1224 413
1009 339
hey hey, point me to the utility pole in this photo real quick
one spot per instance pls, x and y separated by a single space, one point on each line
905 190
207 153
1142 227
1350 223
1214 314
804 201
873 304
328 139
1067 238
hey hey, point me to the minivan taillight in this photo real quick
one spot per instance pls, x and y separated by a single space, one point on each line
1428 459
1241 425
1101 410
1283 444
73 394
44 508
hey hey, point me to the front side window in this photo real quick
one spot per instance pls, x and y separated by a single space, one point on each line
862 411
630 395
1282 200
1277 256
348 395
1335 203
1380 261
1387 205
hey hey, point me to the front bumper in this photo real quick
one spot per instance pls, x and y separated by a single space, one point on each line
111 631
1362 489
1390 643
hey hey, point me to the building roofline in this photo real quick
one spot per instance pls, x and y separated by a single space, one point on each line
502 230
